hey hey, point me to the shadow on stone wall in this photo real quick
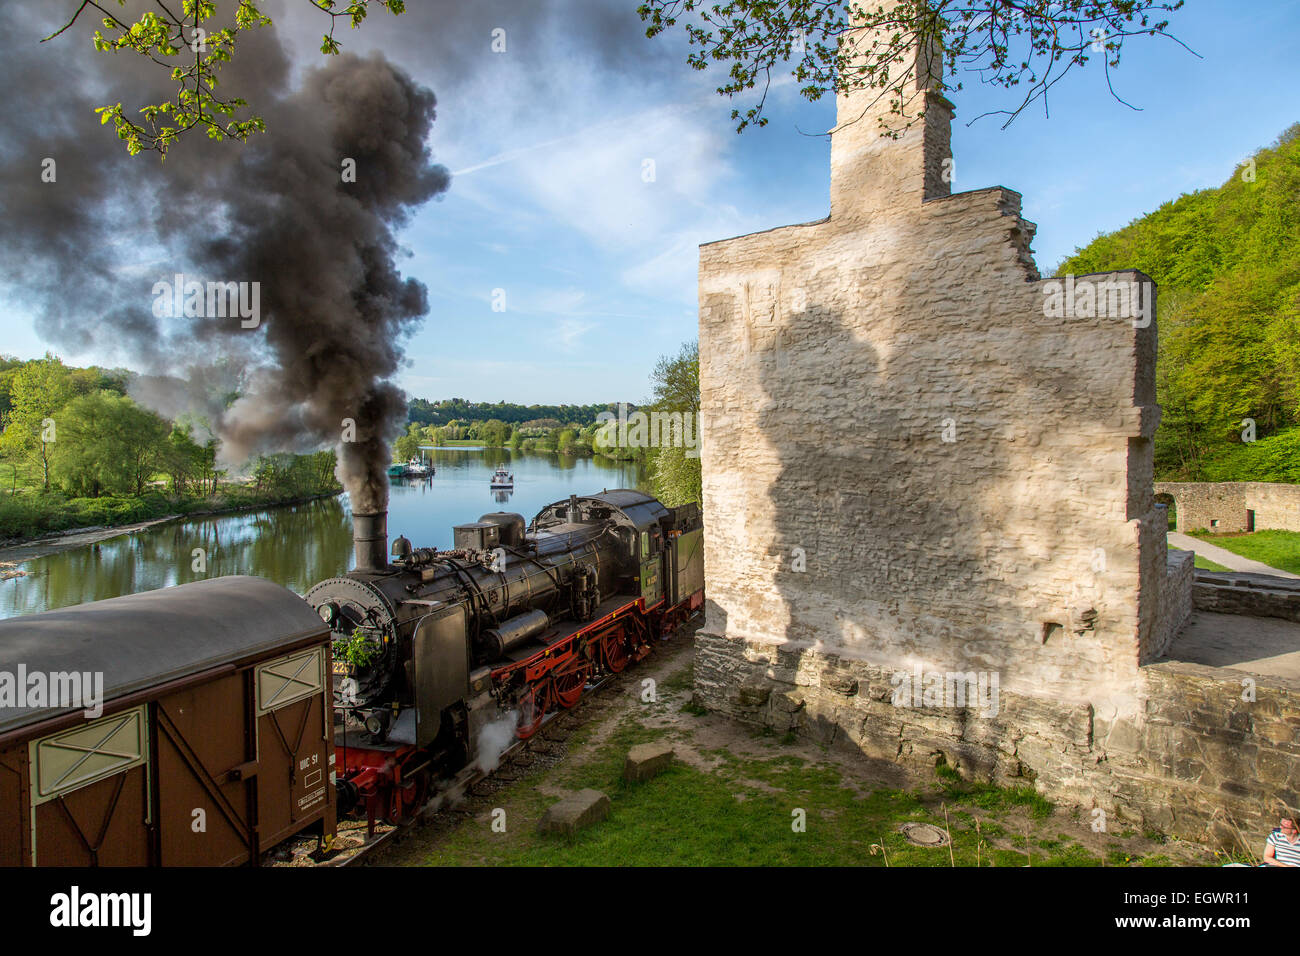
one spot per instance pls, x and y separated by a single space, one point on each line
836 474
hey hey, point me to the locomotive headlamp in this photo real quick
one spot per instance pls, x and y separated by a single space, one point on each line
328 612
377 723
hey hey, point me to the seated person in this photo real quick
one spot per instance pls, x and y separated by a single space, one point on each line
1283 845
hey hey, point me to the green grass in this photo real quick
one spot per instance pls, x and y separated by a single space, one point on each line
680 681
1277 549
741 813
1205 564
988 797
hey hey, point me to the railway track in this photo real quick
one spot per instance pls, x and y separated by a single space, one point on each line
458 799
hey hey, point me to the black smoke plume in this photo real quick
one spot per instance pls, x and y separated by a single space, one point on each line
334 308
337 309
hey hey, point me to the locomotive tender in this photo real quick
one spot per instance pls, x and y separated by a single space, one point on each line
435 647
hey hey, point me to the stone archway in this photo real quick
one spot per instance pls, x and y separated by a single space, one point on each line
1171 505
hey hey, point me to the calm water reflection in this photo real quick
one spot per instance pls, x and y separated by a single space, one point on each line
299 545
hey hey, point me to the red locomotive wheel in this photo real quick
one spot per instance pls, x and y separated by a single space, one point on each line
533 705
615 653
408 799
569 684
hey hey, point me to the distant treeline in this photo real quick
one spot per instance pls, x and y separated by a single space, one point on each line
1227 264
449 410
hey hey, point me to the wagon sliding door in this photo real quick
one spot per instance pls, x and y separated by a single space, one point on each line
206 774
89 793
243 761
295 747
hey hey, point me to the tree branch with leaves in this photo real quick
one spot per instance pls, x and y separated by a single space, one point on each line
193 49
1013 44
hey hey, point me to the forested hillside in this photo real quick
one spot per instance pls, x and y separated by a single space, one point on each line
1227 264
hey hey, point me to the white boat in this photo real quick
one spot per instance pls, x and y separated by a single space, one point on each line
502 479
416 468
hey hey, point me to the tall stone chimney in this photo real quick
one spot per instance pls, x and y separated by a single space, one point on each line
871 172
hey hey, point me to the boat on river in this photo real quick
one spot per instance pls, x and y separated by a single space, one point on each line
415 468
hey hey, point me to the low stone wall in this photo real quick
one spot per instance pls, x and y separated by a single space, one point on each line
1195 762
1275 505
1218 754
838 701
1259 595
1201 504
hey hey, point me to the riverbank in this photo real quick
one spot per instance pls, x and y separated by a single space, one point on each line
14 551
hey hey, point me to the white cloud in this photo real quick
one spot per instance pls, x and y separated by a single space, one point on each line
571 330
558 301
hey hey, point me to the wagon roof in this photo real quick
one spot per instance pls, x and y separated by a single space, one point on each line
153 637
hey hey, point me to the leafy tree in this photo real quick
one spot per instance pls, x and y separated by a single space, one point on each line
1275 458
674 467
9 368
191 465
192 45
494 432
1027 46
676 478
408 446
37 390
294 476
108 443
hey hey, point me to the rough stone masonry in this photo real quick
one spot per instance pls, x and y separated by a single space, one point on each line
922 489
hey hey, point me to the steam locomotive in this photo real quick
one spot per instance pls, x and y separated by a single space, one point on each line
435 652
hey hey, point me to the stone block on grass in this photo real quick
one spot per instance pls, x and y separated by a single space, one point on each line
647 760
574 812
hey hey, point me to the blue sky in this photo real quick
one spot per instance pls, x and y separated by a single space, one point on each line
548 142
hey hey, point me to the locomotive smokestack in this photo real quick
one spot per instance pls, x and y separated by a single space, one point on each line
370 540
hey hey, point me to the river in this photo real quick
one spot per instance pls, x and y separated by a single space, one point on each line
298 545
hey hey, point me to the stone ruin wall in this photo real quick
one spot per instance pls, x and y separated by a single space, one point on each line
1200 504
849 541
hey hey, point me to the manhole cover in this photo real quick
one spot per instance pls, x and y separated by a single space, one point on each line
924 834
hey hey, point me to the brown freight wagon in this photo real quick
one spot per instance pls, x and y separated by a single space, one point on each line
215 739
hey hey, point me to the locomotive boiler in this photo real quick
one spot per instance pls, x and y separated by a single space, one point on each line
439 655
